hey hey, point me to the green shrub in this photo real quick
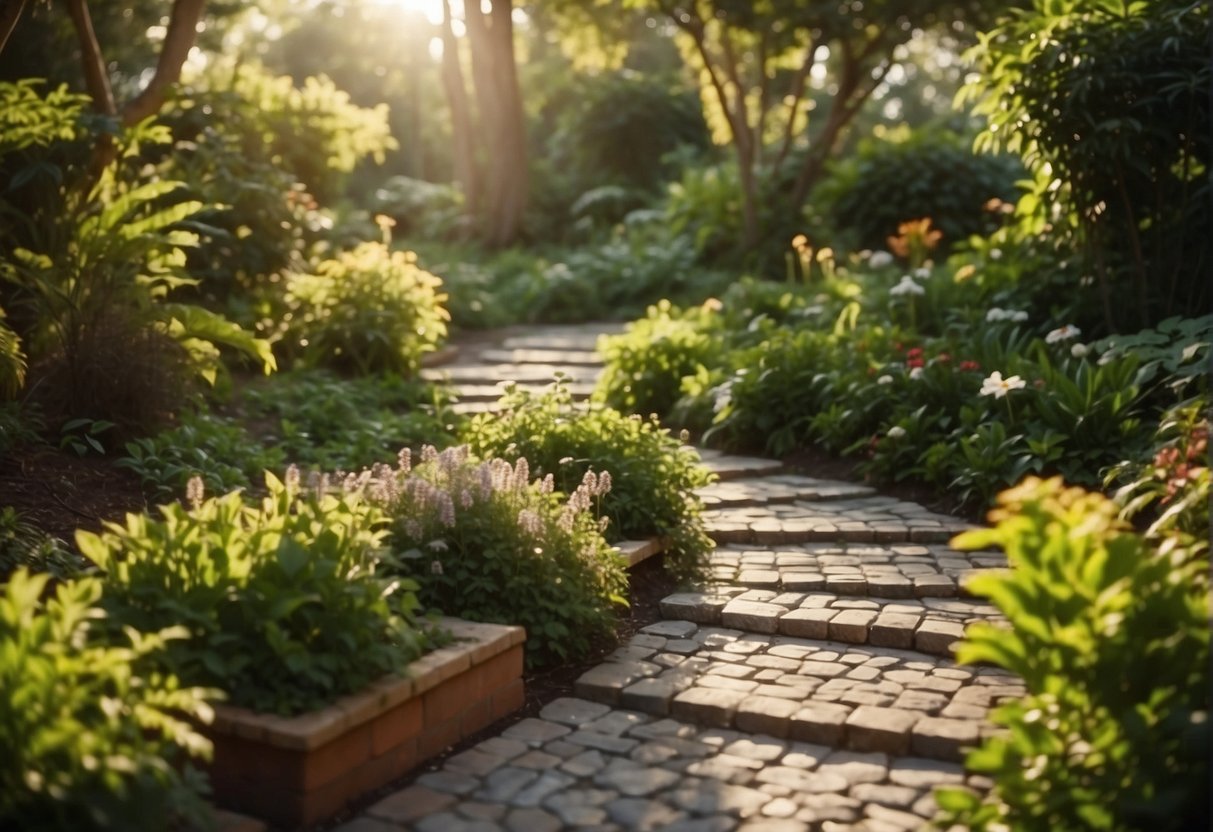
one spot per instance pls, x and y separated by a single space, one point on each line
909 175
90 265
1110 635
486 543
368 310
425 210
287 604
654 476
1118 143
645 365
89 741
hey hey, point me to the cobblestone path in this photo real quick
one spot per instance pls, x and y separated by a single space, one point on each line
810 686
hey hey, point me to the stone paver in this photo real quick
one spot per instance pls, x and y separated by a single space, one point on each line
809 686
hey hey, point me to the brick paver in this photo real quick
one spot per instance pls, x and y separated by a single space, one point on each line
809 686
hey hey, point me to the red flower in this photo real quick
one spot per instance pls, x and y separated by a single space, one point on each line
970 365
915 353
914 362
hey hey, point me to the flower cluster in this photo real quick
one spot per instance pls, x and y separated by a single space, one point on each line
907 286
996 315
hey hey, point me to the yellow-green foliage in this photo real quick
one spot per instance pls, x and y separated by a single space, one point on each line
368 309
1111 638
88 742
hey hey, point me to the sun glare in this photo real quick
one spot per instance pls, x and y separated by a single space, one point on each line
432 9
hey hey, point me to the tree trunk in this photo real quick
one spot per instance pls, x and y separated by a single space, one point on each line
10 13
502 122
463 150
178 41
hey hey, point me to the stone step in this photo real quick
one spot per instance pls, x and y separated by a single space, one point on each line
575 337
929 625
861 698
564 358
496 373
899 570
731 466
582 765
874 519
777 489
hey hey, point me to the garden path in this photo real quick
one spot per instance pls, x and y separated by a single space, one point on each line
809 687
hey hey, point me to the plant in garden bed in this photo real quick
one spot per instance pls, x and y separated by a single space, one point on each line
1109 632
321 421
369 309
655 475
22 545
288 603
91 740
485 542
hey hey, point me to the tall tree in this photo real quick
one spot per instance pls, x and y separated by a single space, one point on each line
499 194
758 63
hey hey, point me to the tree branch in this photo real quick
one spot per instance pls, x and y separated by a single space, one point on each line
178 41
799 83
10 13
96 78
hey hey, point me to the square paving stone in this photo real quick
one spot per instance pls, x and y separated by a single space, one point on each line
819 722
707 706
944 739
873 728
807 623
851 626
894 630
652 696
766 715
752 616
937 637
605 682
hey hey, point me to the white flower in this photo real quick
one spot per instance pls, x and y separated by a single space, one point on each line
435 567
998 387
907 286
880 259
1063 333
896 432
916 373
1079 350
437 545
995 254
885 380
995 315
922 273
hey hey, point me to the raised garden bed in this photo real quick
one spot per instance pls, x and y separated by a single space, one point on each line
297 771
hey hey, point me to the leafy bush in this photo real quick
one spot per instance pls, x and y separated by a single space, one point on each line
486 543
91 265
1119 143
904 176
370 310
425 210
287 604
654 476
645 365
1111 638
89 741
